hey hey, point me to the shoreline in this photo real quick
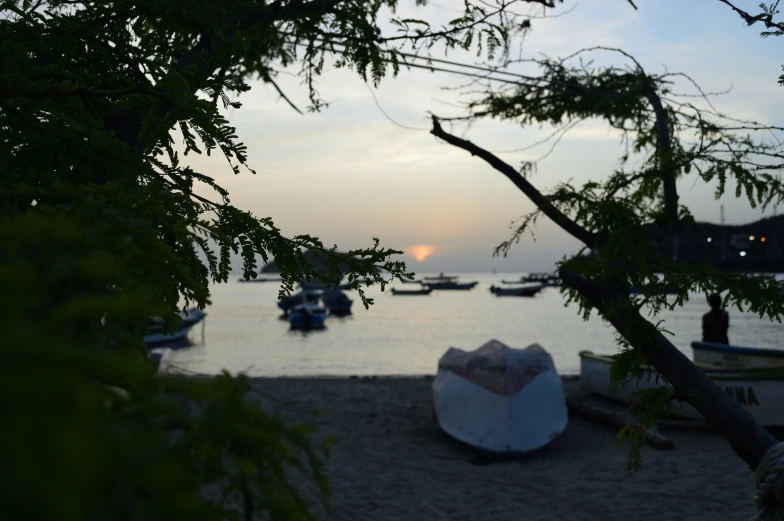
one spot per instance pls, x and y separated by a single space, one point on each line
393 463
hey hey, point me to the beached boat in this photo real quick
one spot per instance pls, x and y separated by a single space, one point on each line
311 296
722 356
757 390
450 285
500 399
337 302
307 316
525 291
425 291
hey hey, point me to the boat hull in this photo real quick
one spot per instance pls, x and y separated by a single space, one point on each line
734 357
298 317
450 285
494 412
158 338
411 291
516 292
758 391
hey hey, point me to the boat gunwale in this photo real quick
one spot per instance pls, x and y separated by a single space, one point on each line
714 373
737 350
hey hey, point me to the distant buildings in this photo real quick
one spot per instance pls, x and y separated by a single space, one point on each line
753 247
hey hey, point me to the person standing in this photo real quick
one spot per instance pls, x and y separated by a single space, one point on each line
716 322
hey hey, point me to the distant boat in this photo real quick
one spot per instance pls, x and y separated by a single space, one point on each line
525 291
307 316
337 302
545 279
499 399
156 336
442 277
261 279
450 285
310 296
425 291
722 356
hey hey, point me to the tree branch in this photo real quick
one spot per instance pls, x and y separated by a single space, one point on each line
765 18
664 151
747 438
575 230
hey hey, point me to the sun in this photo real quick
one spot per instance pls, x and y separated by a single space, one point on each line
421 251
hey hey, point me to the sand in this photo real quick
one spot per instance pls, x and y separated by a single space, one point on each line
393 463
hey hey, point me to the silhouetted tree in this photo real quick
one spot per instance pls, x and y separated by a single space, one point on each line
620 217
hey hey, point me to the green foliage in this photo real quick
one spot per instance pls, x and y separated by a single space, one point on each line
102 226
628 208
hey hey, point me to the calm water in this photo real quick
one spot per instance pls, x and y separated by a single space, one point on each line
407 334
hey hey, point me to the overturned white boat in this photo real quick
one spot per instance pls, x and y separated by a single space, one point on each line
500 399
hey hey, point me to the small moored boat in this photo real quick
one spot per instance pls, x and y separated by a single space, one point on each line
450 285
442 278
156 336
425 291
525 291
500 399
310 296
307 315
722 356
757 390
337 302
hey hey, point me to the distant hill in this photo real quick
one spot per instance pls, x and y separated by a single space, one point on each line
312 257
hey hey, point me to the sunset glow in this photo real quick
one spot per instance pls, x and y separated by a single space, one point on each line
421 252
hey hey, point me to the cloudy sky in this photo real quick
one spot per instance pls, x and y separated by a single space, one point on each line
348 174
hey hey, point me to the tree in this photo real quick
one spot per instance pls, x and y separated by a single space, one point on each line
621 219
767 17
100 229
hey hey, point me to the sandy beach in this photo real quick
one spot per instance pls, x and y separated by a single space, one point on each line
394 463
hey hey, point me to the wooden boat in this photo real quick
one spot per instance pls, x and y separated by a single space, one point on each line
337 302
757 390
311 296
307 315
425 291
450 285
156 336
722 356
526 291
499 399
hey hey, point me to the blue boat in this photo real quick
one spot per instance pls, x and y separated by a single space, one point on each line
337 302
309 296
306 316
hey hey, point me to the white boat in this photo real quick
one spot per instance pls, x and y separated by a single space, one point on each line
758 390
500 399
723 356
156 336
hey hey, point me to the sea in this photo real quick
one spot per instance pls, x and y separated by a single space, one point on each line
406 335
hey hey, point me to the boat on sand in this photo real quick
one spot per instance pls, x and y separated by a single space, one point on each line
757 390
500 399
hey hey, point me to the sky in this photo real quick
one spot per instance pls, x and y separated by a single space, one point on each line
348 173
